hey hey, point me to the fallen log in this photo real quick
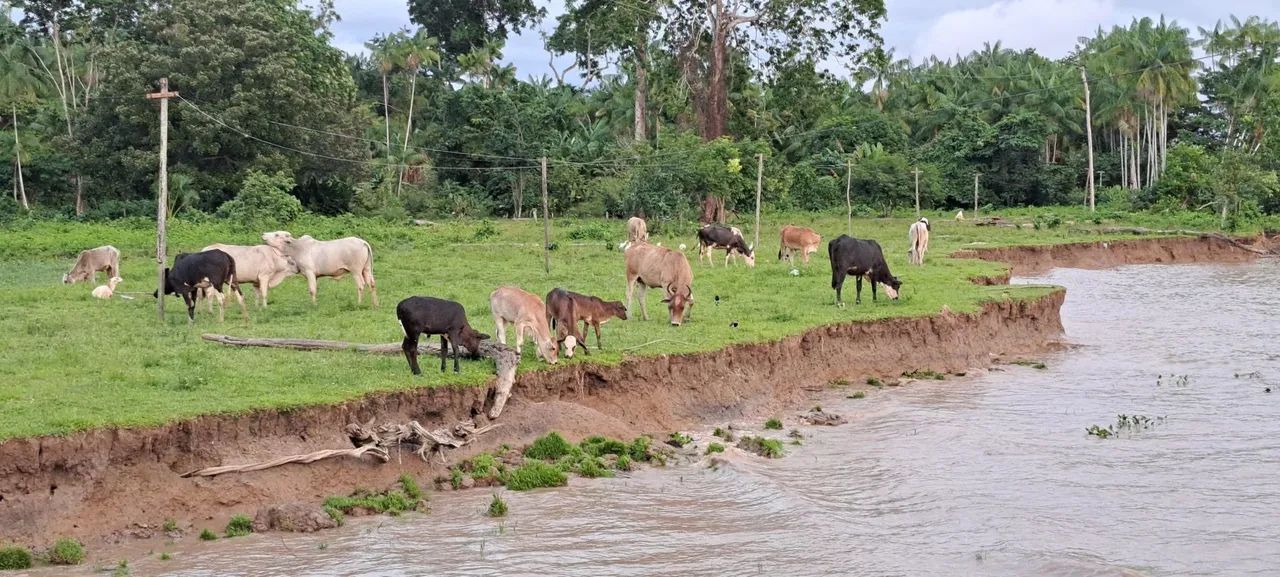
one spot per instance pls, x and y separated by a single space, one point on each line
375 450
503 356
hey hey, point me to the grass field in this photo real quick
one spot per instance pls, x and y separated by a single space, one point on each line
71 362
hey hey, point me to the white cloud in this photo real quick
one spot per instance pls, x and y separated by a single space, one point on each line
1052 27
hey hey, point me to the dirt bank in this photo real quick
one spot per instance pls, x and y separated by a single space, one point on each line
1028 260
109 483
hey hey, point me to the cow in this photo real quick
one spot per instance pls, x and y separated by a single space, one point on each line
650 266
525 311
637 230
260 265
798 239
334 258
432 316
566 308
713 236
105 291
861 258
918 235
960 215
211 270
104 258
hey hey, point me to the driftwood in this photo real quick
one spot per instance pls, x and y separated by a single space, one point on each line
504 357
376 441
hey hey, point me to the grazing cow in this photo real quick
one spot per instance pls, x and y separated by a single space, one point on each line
316 258
566 308
210 270
650 266
637 230
798 239
525 311
960 214
105 291
713 236
104 258
860 258
432 316
918 234
260 265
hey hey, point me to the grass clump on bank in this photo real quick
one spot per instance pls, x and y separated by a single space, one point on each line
715 448
207 535
535 475
768 448
773 424
66 551
549 447
14 557
392 502
497 507
857 395
239 526
925 375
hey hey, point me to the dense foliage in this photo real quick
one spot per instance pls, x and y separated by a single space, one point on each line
649 118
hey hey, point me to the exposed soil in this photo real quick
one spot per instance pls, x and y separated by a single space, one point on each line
106 484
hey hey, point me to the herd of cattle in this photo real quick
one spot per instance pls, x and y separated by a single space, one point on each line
552 324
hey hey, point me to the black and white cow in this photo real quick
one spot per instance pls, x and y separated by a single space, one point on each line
713 236
860 258
211 270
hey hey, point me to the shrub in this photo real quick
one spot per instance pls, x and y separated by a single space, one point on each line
239 526
715 448
392 502
718 432
534 475
773 424
66 551
263 201
336 514
769 448
165 556
410 487
624 463
679 439
598 446
549 448
639 449
857 395
170 525
455 478
14 557
591 468
484 466
207 535
593 231
485 231
497 507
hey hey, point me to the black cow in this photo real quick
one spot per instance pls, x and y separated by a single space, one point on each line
713 236
851 256
210 270
433 316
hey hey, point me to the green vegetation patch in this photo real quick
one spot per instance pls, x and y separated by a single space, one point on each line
770 448
715 448
393 502
66 551
239 526
773 424
497 507
208 535
535 475
15 557
549 447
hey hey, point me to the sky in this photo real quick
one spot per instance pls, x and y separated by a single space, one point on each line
914 28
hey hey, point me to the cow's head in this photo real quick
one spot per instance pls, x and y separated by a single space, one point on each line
76 275
168 288
750 255
927 226
891 287
550 351
471 339
570 343
679 301
617 309
280 240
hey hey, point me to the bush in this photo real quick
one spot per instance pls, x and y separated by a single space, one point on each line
591 468
598 446
410 487
593 231
263 201
497 507
15 558
639 449
715 448
550 447
336 514
769 448
207 535
624 463
66 552
239 526
484 466
773 424
534 475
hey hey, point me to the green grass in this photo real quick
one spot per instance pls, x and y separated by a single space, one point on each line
715 448
550 447
857 395
239 526
66 551
769 448
207 535
534 475
74 363
497 507
773 424
14 557
393 502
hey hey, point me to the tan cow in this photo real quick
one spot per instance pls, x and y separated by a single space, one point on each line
333 258
650 266
918 234
524 310
637 230
801 239
260 265
104 258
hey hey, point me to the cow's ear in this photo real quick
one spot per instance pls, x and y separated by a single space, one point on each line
482 337
666 300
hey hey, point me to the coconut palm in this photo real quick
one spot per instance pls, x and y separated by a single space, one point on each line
414 51
18 85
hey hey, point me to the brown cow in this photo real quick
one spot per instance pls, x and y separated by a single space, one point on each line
524 310
651 266
104 258
637 230
798 239
566 308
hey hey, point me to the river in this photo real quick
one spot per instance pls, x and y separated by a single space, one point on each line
987 474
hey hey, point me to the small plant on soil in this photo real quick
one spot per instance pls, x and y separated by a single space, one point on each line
591 468
410 487
497 507
534 475
623 463
838 383
925 375
336 514
715 448
165 556
769 448
207 535
816 409
598 446
239 526
874 382
679 439
455 477
66 551
549 448
122 570
639 449
773 424
393 502
170 526
857 395
14 557
795 434
718 432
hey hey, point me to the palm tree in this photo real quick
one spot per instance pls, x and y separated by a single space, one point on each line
414 51
383 50
18 84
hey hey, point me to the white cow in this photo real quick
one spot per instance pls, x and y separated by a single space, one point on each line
263 266
333 258
918 234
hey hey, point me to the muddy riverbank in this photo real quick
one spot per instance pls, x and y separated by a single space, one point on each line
112 484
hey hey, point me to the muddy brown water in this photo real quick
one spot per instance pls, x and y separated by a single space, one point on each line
989 474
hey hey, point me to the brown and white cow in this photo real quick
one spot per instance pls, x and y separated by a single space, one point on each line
652 266
524 310
637 230
918 235
104 258
262 266
798 239
566 308
332 258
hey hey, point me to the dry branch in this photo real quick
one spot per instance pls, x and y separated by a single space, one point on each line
375 450
504 357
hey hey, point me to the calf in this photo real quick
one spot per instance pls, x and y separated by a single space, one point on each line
637 231
210 270
918 235
104 258
713 236
433 316
105 291
651 266
334 258
798 238
861 258
525 311
260 265
566 308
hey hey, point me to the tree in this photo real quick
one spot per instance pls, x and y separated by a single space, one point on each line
413 51
18 86
463 25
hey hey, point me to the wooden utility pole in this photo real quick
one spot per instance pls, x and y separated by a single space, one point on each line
1088 130
917 173
546 221
848 198
162 203
975 193
759 186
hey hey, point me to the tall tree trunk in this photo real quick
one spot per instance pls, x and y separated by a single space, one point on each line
716 121
386 113
21 187
1088 130
642 88
408 127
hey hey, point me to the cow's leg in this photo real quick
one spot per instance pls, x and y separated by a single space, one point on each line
444 352
728 254
500 327
454 337
311 285
189 297
873 289
519 327
584 333
837 283
410 348
368 280
644 312
359 278
858 285
260 291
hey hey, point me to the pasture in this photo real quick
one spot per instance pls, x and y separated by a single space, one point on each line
72 362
